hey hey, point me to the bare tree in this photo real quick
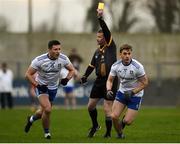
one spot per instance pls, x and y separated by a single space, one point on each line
164 12
178 16
30 27
124 23
113 14
55 17
120 21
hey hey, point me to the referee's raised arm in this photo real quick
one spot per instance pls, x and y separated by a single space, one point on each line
105 29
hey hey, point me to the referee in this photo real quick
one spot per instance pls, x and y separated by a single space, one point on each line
102 60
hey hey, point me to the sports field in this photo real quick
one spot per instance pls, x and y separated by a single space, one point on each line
151 125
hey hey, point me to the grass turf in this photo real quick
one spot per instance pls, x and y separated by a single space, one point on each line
71 126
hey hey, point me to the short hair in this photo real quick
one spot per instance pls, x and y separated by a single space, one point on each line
125 47
100 31
53 42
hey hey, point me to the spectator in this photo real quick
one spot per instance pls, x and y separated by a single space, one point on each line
69 96
6 86
75 59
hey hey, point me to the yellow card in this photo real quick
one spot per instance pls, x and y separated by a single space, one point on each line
101 5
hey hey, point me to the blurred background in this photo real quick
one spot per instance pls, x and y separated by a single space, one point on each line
151 27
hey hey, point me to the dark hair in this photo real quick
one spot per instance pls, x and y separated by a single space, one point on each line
125 47
100 31
53 42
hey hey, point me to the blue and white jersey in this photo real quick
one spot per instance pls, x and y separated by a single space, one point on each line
48 71
128 75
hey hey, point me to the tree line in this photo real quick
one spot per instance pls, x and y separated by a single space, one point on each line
165 14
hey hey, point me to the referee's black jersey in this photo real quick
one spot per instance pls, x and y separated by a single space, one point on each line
108 52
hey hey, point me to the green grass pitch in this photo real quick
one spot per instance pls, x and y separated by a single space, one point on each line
71 126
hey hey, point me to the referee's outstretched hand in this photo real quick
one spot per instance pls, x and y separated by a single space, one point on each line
83 80
109 94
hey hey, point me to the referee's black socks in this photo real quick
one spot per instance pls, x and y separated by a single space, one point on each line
108 122
93 115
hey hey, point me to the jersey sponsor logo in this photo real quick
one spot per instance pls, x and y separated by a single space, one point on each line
126 78
123 74
49 67
49 71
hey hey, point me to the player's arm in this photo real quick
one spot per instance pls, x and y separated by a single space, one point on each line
71 70
109 82
105 29
29 75
111 77
142 83
71 73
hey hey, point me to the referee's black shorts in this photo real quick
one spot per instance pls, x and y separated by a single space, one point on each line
99 88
